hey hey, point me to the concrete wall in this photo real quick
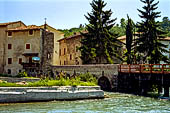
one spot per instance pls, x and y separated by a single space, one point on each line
110 71
49 93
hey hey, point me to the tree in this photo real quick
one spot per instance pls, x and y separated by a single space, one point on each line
165 25
129 38
99 45
123 23
148 44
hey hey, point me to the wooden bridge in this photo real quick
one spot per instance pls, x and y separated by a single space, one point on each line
145 68
141 77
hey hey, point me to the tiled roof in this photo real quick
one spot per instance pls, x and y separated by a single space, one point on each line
167 38
77 34
124 38
8 23
33 27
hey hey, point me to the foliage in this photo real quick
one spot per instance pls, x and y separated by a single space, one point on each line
117 30
5 75
129 39
80 80
149 47
70 32
22 74
165 25
99 44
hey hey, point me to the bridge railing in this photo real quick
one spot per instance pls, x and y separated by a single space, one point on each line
144 68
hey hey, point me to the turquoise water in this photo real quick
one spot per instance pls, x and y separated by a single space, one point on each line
117 103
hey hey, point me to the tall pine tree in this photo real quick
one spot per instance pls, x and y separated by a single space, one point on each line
148 45
99 45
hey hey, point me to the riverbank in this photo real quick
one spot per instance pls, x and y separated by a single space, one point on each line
31 94
117 103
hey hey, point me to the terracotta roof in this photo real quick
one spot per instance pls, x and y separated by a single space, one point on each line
73 36
33 27
167 38
42 26
124 38
8 23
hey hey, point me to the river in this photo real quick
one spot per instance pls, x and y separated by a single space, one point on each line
117 103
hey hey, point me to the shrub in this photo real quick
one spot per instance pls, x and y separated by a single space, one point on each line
22 74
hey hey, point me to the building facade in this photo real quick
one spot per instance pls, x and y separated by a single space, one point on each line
68 50
165 41
70 55
22 44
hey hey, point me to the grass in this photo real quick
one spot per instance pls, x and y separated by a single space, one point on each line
82 80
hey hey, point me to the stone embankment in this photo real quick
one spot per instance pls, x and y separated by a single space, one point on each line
15 80
30 94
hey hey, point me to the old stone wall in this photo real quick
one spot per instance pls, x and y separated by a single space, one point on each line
48 49
109 71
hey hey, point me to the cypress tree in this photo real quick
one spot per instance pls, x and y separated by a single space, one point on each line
99 45
129 39
148 44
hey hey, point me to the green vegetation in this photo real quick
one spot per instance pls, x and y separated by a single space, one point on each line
70 32
5 75
165 25
149 48
129 39
99 44
22 74
80 80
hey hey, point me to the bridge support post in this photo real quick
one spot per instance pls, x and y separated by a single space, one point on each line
160 89
166 91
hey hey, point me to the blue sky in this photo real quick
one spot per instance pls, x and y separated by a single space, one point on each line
62 14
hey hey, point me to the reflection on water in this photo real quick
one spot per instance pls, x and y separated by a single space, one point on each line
117 103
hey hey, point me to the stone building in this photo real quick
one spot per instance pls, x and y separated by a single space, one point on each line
69 54
165 41
21 44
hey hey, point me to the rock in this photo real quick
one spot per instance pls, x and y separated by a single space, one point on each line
22 83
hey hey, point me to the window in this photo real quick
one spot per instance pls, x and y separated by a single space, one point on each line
9 71
76 48
9 60
64 62
19 71
27 46
60 52
20 61
30 59
48 56
9 46
70 56
64 51
9 33
31 32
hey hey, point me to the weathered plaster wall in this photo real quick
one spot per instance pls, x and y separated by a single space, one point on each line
19 40
2 47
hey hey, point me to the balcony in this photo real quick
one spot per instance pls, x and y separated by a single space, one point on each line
30 65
